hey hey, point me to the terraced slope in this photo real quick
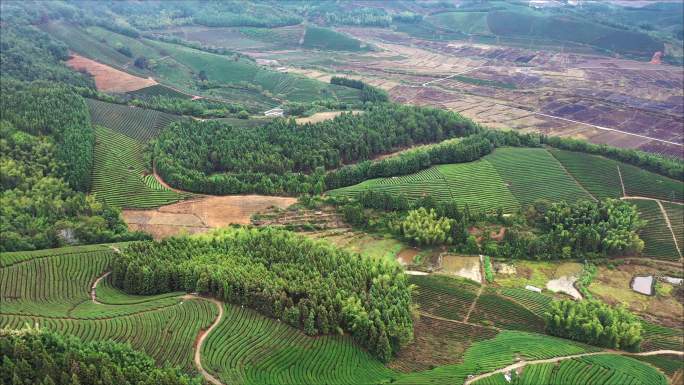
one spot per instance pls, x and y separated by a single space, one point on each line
532 173
248 348
658 241
492 309
644 183
507 178
676 215
51 288
537 303
118 174
597 174
443 296
137 123
496 353
601 369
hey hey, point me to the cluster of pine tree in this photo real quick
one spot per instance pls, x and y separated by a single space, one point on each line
42 357
595 323
283 157
308 284
368 93
46 155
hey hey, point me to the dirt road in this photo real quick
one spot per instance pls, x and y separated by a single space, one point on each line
93 295
521 364
203 335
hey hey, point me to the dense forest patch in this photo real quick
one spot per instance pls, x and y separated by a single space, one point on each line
283 157
308 284
45 357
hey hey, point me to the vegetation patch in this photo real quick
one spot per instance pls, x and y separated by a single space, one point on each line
590 321
327 39
41 356
281 275
119 174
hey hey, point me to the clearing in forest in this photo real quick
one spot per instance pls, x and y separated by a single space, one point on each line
203 214
108 79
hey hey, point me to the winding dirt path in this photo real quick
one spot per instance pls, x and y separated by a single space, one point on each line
622 183
93 295
521 364
202 336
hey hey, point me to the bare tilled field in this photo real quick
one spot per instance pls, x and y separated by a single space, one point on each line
604 100
108 79
202 214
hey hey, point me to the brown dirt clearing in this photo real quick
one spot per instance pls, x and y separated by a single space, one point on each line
109 79
322 116
203 214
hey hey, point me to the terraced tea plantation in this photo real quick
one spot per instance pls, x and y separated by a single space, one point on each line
507 179
119 174
597 174
657 237
137 123
248 348
600 369
52 289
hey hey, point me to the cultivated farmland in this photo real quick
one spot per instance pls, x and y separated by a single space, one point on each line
119 173
656 235
508 178
600 369
136 123
248 348
52 289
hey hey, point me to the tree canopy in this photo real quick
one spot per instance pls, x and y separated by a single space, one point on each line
309 284
42 357
595 323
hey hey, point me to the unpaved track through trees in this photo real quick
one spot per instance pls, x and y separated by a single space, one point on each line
557 359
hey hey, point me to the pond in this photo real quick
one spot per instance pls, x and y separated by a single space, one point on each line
466 267
643 285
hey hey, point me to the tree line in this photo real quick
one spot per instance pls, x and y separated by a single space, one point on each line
595 323
368 93
471 148
308 284
283 157
43 357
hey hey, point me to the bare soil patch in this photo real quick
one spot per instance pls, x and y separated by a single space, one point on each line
406 256
108 79
322 116
203 214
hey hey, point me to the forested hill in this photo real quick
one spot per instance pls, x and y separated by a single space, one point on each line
217 158
46 147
